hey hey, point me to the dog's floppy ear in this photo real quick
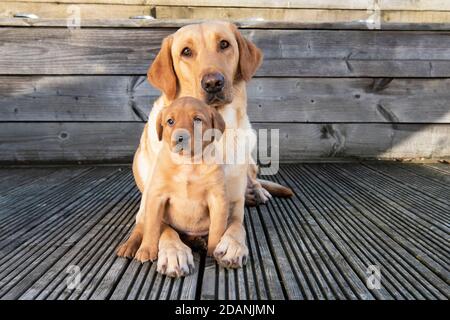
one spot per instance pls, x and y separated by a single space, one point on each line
250 57
217 121
161 73
159 125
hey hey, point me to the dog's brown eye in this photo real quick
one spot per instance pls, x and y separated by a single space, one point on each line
170 122
186 52
197 119
224 44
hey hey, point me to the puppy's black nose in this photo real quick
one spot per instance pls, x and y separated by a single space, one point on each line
180 136
213 82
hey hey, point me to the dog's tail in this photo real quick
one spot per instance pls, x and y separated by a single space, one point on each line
276 189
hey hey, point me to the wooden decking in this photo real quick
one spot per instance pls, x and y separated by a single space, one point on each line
317 245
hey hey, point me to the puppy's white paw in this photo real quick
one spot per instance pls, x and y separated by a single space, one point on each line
230 253
175 260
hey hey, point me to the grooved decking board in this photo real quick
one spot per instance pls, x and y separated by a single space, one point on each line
288 53
428 186
16 179
257 280
316 245
365 233
130 98
445 168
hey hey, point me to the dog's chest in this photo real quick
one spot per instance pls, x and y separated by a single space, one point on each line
188 208
189 188
229 115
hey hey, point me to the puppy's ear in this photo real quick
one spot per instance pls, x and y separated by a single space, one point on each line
250 57
159 125
161 74
217 121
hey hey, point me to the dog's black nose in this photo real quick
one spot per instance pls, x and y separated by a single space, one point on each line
180 138
213 82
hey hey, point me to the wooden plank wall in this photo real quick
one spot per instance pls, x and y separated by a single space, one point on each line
82 95
405 11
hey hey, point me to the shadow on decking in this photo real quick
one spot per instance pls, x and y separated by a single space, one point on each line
56 221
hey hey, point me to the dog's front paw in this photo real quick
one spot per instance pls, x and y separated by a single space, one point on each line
230 253
175 260
145 254
261 195
129 248
256 195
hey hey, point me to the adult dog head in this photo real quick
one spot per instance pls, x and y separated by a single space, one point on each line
204 61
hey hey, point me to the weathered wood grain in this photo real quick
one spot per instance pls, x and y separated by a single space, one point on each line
60 10
244 24
84 215
75 141
437 5
62 51
65 11
20 181
349 100
98 244
70 141
415 16
330 53
304 15
428 172
435 186
315 245
129 98
270 14
306 225
302 141
440 167
394 219
363 232
76 98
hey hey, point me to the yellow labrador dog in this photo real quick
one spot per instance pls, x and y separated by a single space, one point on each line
211 62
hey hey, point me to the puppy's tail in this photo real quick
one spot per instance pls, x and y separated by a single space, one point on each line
276 189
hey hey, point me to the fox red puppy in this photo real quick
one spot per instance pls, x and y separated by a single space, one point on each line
187 190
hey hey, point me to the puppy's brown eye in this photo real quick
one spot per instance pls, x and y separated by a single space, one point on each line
224 44
197 119
170 122
186 52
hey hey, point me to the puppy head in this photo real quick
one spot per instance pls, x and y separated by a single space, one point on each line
204 61
183 124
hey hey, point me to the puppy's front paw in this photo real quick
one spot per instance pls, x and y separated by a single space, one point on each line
230 253
175 260
129 248
145 254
